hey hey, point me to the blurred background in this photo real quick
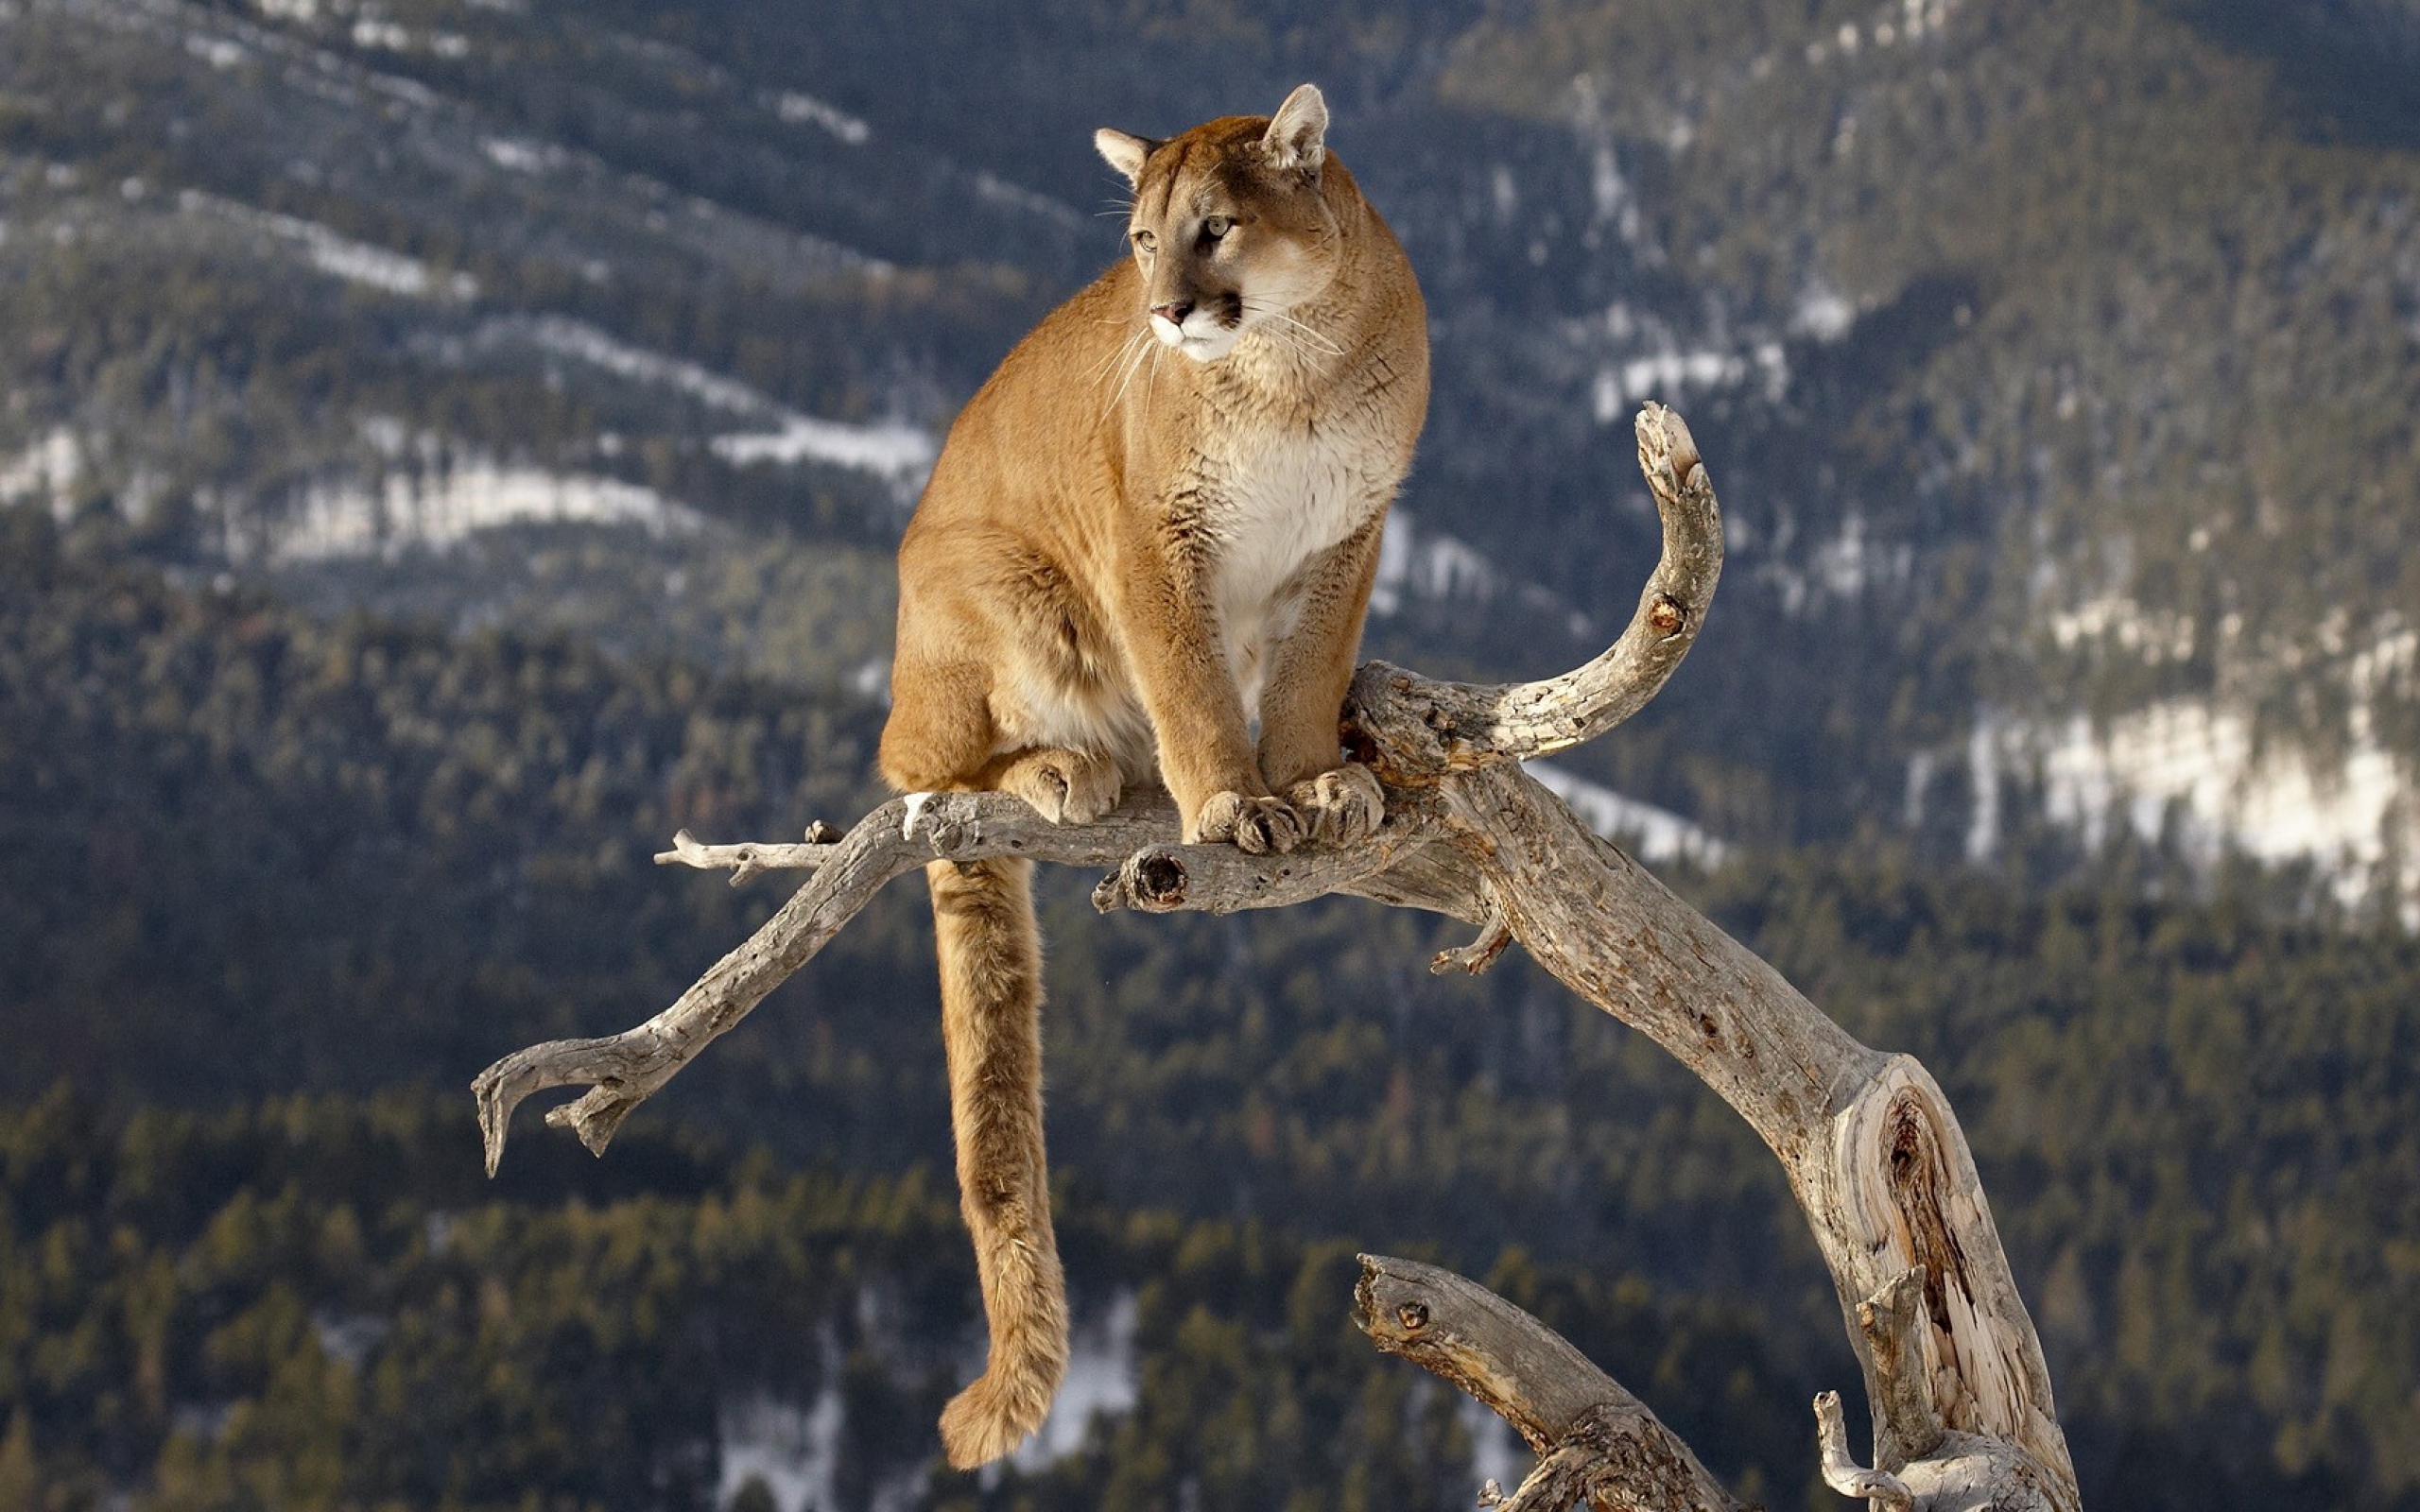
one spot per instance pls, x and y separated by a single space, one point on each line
447 445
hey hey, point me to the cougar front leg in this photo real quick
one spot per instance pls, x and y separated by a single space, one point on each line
1175 646
1301 748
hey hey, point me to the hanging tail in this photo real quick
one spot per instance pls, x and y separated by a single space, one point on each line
990 964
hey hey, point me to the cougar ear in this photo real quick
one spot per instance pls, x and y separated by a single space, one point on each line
1124 150
1297 134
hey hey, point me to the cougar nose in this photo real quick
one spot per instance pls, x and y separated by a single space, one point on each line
1173 314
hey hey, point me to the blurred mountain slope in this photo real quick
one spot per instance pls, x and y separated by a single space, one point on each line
2161 273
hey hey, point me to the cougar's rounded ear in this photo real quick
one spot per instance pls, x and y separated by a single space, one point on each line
1124 150
1297 134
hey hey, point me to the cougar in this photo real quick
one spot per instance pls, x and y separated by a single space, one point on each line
1154 526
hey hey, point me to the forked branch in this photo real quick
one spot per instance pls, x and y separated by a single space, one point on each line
1953 1368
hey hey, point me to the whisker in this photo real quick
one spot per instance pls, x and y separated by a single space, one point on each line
1325 342
1312 333
1131 367
1101 368
1281 337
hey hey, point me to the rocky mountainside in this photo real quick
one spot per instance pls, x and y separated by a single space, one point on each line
2057 359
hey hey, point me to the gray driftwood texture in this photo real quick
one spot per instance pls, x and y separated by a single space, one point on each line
1962 1411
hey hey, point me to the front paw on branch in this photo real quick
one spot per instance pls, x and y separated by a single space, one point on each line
1256 825
1344 806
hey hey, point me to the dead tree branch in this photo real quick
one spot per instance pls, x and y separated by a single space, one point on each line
1964 1415
1593 1440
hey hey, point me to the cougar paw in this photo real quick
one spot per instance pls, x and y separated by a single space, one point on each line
1063 787
1258 826
1340 807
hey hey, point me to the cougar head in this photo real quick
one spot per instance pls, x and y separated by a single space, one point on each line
1229 227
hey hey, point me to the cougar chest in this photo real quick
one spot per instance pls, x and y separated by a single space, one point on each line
1278 500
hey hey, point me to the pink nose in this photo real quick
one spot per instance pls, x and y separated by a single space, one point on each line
1173 314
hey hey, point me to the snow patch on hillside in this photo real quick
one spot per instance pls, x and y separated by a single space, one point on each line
1102 1377
517 155
1670 372
1657 837
1016 197
439 509
1496 1452
799 108
1822 313
2355 816
894 449
794 1451
584 342
1431 566
45 471
356 262
2154 635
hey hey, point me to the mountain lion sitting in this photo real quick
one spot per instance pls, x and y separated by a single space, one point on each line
1158 519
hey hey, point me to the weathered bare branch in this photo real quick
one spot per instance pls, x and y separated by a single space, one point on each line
624 1070
1595 1438
1962 1403
747 860
1453 724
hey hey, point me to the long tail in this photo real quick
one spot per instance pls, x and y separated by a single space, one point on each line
991 959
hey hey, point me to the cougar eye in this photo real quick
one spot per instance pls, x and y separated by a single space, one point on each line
1147 241
1217 226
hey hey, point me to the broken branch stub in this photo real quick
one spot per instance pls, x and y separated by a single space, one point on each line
1873 1155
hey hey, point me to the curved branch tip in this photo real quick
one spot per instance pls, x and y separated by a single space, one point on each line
1842 1473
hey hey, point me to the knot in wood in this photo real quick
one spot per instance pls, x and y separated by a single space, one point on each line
822 834
1159 879
947 836
1414 1316
1666 614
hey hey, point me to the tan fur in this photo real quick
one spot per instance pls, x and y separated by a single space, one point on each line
1158 519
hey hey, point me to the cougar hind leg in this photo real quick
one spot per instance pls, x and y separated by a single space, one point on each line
1065 786
990 964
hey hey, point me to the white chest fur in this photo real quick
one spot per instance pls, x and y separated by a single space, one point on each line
1278 503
